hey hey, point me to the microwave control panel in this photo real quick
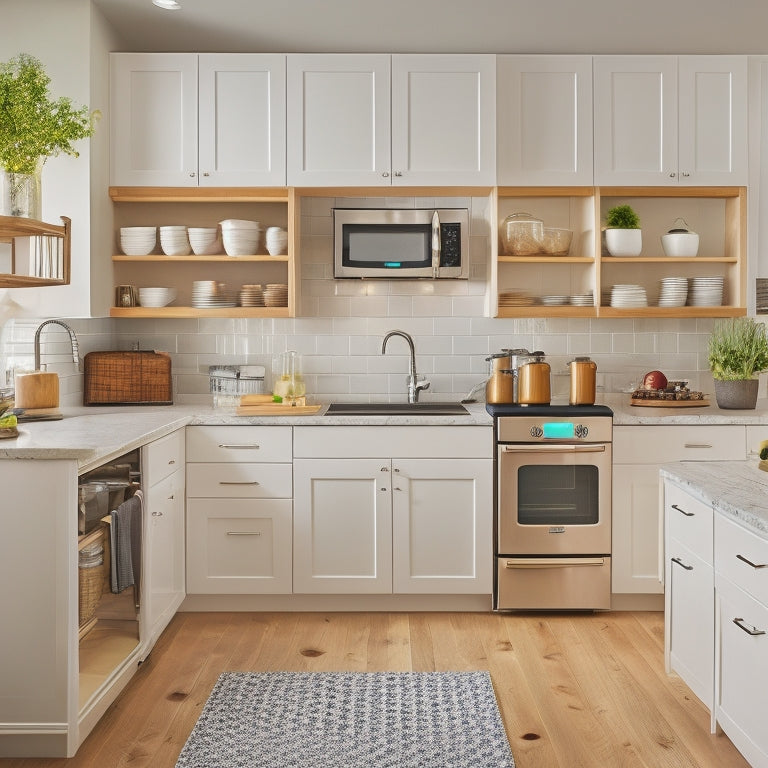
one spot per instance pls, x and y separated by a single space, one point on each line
450 245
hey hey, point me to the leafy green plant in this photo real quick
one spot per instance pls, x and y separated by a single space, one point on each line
622 217
34 126
738 349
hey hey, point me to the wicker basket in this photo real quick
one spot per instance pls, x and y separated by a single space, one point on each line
90 577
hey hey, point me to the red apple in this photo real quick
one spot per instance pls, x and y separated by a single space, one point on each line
654 380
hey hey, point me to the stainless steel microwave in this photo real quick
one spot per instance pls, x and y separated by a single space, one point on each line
401 243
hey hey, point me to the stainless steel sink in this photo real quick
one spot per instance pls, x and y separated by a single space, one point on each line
396 409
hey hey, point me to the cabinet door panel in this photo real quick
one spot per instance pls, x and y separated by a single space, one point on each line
242 120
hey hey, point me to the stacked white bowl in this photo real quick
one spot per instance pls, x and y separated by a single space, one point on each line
277 241
174 240
204 240
156 297
138 241
240 236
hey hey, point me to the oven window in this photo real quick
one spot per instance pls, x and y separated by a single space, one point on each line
557 495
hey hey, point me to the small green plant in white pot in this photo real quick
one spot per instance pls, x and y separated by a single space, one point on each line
623 236
738 352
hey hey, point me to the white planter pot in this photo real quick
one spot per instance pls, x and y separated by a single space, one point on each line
624 242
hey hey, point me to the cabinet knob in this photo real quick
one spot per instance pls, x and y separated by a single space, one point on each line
157 514
672 175
686 175
171 461
205 173
191 174
385 174
384 469
398 173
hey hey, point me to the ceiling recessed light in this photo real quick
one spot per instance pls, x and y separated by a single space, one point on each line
168 5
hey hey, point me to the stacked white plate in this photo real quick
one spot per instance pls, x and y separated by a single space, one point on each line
554 301
706 292
138 241
204 240
628 296
174 240
209 293
276 241
582 300
240 236
156 297
251 296
276 295
673 291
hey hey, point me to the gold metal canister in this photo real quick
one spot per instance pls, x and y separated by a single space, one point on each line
583 381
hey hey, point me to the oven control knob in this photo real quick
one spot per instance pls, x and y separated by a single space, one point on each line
581 431
536 431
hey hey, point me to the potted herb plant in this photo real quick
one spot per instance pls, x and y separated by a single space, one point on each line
623 236
33 127
738 351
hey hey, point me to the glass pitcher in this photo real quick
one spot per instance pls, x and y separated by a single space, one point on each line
289 377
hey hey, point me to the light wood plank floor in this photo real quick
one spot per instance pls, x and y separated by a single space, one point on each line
575 690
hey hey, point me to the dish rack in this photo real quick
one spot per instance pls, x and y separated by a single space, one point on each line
229 382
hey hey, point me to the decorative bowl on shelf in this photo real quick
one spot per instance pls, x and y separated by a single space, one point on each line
156 296
522 235
138 241
557 242
680 241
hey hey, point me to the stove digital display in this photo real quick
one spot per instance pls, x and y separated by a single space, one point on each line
559 430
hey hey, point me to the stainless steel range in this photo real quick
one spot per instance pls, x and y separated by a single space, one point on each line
552 532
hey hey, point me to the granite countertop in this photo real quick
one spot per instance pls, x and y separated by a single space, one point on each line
737 489
625 414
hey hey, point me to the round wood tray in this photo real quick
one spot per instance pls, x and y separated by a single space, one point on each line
668 403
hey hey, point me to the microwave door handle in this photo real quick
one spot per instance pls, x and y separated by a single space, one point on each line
436 246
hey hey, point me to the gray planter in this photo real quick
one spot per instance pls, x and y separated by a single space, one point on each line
741 395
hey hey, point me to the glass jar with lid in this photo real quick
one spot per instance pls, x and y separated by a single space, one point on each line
522 235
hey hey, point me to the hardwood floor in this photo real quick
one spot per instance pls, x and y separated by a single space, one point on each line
574 690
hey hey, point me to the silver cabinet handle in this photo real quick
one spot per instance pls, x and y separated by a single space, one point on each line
682 564
239 482
754 631
385 174
243 533
682 511
698 445
239 445
398 173
750 563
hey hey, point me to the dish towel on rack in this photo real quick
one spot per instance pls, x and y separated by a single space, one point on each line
125 541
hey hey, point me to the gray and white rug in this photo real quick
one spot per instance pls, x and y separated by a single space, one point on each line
349 720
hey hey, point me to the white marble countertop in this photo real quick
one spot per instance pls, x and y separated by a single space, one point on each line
625 414
737 489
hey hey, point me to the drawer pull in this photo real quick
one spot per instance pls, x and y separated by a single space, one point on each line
754 631
698 445
750 563
255 446
243 533
514 563
171 461
679 509
157 514
682 564
239 482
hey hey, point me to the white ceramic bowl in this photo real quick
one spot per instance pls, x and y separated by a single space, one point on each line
156 297
239 224
680 244
138 241
204 241
174 241
240 243
276 241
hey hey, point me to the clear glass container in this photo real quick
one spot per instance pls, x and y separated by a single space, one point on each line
522 235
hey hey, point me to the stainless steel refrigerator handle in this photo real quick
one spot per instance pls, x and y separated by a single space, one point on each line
436 244
541 448
551 562
754 631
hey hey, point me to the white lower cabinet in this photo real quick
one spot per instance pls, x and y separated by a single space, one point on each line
239 510
388 521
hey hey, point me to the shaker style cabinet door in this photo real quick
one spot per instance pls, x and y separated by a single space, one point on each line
544 120
338 119
242 120
443 119
153 103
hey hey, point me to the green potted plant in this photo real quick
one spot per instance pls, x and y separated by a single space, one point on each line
623 236
33 127
738 351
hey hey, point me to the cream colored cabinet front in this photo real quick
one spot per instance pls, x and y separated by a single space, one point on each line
185 119
544 120
381 120
668 120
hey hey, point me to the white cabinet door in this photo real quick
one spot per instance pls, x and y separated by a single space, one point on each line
544 120
443 119
635 120
242 120
342 522
712 120
338 128
441 527
153 103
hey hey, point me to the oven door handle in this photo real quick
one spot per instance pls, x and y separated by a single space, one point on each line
551 562
543 448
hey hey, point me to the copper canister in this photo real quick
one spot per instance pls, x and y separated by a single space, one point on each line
583 379
500 387
534 385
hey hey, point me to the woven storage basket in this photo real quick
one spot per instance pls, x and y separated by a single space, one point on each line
90 579
125 378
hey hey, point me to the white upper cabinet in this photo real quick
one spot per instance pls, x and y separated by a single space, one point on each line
381 120
544 120
667 120
197 120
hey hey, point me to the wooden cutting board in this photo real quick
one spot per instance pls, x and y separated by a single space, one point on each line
668 403
277 409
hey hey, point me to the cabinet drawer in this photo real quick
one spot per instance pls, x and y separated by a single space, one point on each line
742 557
661 444
689 521
239 444
245 481
163 456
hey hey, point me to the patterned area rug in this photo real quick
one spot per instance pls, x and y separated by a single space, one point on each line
349 720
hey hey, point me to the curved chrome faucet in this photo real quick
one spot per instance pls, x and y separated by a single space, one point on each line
415 385
72 339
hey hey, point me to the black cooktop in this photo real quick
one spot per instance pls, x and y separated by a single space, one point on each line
511 409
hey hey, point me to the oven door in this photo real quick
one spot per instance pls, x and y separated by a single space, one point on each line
554 499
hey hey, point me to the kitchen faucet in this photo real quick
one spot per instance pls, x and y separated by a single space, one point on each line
72 339
415 385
